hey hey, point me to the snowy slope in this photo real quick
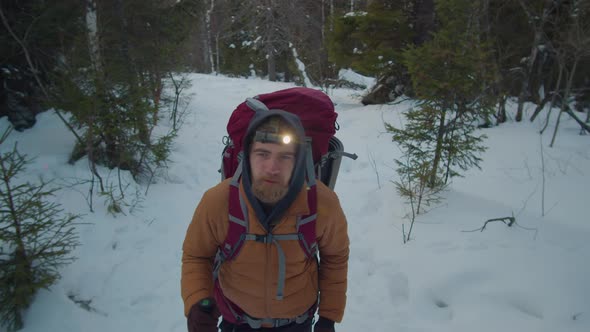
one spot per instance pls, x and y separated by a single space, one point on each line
529 277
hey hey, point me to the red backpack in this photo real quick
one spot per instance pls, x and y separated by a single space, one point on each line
313 107
318 117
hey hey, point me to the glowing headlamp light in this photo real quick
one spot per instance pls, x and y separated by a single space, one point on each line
266 137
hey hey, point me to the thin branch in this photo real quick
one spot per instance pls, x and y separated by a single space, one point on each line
542 176
374 165
584 125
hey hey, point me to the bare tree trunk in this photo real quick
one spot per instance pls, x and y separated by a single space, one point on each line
485 18
270 41
323 21
524 90
204 62
122 15
217 51
532 58
527 73
501 117
331 15
564 102
424 25
540 106
271 65
438 150
209 39
554 94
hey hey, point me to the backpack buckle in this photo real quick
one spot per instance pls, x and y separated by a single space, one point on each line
267 238
279 322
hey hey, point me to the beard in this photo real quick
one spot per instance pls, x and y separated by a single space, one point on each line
269 193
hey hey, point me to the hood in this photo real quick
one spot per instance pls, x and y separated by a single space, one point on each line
297 177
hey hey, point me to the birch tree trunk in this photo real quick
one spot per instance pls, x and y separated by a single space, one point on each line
125 44
209 39
92 26
96 62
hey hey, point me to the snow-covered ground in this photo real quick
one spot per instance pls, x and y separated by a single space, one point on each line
534 276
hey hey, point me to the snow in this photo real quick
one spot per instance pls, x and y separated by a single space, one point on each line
351 76
300 66
532 276
357 13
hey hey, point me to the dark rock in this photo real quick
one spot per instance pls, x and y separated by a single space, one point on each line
18 97
389 87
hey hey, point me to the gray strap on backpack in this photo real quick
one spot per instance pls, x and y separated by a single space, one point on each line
309 164
235 180
256 105
274 238
220 256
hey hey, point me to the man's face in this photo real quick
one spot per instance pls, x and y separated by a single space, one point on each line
271 165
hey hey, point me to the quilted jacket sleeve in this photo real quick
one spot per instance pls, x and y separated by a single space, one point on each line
198 251
334 250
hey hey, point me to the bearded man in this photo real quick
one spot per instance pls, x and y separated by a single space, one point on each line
268 286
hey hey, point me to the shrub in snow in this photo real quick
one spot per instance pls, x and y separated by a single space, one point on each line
450 74
35 238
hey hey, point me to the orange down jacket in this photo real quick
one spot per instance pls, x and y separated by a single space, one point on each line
250 280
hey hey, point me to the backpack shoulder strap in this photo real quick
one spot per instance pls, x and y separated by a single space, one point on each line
306 225
238 224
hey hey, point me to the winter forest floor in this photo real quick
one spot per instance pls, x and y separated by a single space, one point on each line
532 276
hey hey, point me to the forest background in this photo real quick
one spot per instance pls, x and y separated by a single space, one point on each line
533 50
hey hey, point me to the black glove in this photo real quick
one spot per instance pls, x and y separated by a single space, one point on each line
203 318
324 325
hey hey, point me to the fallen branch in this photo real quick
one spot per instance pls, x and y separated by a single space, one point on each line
511 221
85 304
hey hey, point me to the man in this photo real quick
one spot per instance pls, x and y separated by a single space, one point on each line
271 285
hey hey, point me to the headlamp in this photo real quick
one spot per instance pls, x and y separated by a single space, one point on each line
266 137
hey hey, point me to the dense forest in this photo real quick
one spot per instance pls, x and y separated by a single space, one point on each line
533 50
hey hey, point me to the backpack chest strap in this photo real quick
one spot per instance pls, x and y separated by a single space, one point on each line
274 239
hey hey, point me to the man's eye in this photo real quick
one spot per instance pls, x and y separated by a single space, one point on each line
287 157
262 154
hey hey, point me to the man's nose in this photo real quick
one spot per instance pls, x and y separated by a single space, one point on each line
274 166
